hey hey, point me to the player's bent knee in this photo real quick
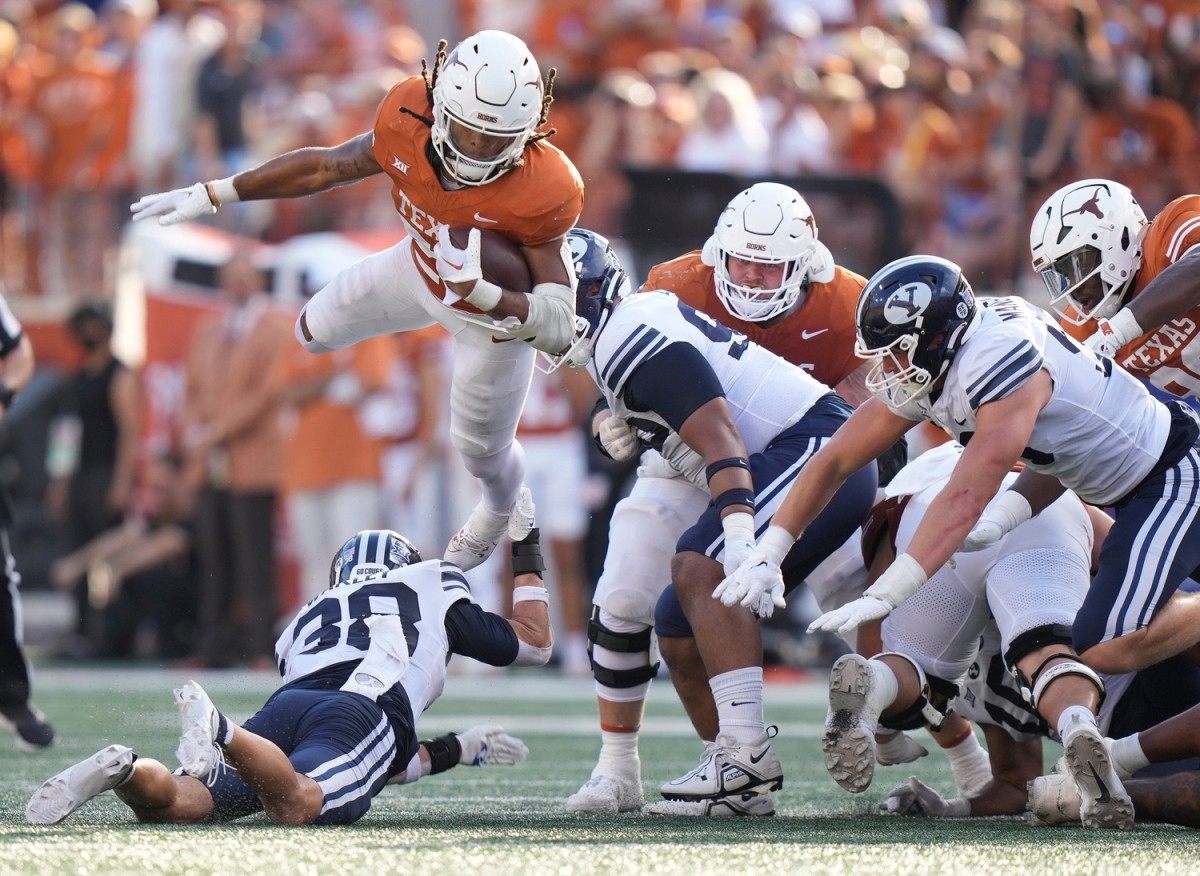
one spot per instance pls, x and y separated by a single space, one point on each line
921 712
622 662
303 806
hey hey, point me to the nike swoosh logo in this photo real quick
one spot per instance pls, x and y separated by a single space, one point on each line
1105 796
761 755
457 267
805 334
747 703
479 218
496 340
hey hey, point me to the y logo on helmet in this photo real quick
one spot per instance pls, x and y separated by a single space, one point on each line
907 303
579 249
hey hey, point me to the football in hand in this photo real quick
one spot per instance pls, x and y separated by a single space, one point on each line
502 261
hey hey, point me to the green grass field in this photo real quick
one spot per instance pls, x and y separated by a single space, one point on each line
507 820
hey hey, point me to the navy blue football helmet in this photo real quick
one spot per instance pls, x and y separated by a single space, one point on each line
601 281
370 554
913 316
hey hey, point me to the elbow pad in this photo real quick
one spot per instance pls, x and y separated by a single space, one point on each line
550 325
528 655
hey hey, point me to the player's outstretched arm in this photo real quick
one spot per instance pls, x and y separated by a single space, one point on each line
291 175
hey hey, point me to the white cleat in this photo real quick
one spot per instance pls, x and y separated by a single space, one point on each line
62 794
729 767
850 723
483 530
1053 799
608 795
198 752
1103 802
717 807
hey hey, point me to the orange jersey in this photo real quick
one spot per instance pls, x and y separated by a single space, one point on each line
818 335
1169 355
73 103
530 205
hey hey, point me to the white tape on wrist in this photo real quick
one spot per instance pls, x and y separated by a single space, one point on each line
485 295
1125 327
1011 509
530 593
739 523
899 581
224 191
775 543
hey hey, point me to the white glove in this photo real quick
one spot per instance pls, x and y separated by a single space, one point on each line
739 539
618 438
490 745
1113 334
173 207
456 265
998 520
758 583
896 748
918 800
851 616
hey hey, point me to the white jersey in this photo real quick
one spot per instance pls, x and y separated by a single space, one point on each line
766 394
331 628
1100 434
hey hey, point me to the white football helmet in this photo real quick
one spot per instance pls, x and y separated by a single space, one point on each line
490 83
772 224
1091 228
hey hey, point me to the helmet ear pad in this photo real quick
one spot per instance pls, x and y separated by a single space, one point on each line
711 253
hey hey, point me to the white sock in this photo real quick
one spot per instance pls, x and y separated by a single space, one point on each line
618 754
883 689
970 765
1127 755
739 698
1074 713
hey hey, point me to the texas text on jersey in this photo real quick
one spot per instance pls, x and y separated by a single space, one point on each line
530 204
1169 356
818 335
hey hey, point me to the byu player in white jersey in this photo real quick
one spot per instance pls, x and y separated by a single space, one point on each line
360 663
740 421
1029 586
1008 384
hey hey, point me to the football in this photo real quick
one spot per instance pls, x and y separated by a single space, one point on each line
502 261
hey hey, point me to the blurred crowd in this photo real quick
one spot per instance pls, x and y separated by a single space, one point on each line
969 110
972 112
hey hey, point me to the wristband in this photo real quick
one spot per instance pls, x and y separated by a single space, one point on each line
728 462
530 593
485 295
775 544
444 753
736 496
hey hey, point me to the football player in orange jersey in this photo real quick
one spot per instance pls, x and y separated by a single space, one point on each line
1128 288
459 146
764 273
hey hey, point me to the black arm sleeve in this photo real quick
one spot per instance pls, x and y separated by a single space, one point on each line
481 635
673 383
